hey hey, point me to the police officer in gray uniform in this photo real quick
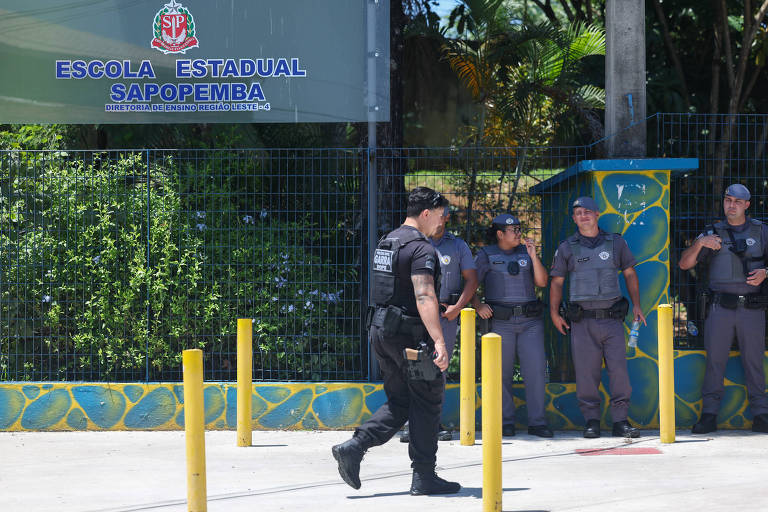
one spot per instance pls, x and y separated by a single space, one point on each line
456 265
405 318
735 252
509 270
592 259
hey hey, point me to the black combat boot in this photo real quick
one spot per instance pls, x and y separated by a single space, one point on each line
592 430
349 454
624 429
707 423
427 482
760 423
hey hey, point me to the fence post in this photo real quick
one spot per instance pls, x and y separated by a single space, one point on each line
244 381
467 378
194 429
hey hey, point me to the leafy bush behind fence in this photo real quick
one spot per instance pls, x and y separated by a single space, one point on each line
112 263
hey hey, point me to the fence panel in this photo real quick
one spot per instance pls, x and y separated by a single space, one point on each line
730 149
481 183
112 263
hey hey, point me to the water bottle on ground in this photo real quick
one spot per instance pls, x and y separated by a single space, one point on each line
633 333
692 329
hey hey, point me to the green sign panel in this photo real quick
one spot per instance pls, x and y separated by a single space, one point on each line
200 61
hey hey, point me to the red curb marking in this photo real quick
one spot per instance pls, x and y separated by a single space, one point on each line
619 451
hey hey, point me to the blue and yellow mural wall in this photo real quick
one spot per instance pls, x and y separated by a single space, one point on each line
634 198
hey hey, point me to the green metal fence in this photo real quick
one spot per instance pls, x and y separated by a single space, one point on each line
730 149
113 262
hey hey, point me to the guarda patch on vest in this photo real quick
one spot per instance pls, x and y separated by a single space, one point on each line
619 451
382 260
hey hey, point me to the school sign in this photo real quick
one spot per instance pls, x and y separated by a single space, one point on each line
198 61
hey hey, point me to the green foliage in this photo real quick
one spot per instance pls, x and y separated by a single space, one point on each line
32 136
110 269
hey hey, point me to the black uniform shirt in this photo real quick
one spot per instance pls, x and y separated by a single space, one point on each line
417 257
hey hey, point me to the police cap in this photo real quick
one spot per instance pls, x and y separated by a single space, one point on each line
738 191
506 219
585 202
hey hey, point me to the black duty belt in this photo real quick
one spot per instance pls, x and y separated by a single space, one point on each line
599 314
507 311
729 298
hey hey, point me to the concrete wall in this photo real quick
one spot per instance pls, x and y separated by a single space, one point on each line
98 406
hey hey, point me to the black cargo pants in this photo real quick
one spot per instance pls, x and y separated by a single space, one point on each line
416 401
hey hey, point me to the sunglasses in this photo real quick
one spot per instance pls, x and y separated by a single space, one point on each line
436 200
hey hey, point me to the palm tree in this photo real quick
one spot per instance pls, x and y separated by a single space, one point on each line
526 78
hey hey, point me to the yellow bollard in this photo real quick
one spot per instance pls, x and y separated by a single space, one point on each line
491 402
194 429
666 375
244 381
467 376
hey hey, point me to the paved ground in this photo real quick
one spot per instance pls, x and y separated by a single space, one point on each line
294 471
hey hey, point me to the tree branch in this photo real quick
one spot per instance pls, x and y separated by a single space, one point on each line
672 51
548 12
748 88
726 44
567 9
737 92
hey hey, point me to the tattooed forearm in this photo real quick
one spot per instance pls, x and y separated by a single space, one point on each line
423 288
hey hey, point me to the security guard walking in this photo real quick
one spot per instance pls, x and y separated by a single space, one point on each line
735 252
404 327
510 271
456 267
592 259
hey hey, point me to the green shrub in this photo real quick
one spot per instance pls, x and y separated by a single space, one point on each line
108 270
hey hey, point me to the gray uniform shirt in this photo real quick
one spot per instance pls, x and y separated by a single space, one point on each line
455 257
563 262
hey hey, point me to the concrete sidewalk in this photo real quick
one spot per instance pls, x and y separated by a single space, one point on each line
294 471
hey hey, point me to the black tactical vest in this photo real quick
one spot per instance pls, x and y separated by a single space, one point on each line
386 279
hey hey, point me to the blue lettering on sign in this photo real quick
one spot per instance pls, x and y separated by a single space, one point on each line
247 67
241 68
204 92
268 70
79 69
282 68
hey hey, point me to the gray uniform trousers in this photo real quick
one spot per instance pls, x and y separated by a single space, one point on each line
593 340
523 337
449 333
748 326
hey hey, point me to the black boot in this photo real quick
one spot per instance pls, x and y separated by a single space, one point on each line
427 482
444 434
349 454
707 423
760 423
624 429
592 430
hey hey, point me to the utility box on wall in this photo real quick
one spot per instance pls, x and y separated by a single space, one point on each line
633 196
